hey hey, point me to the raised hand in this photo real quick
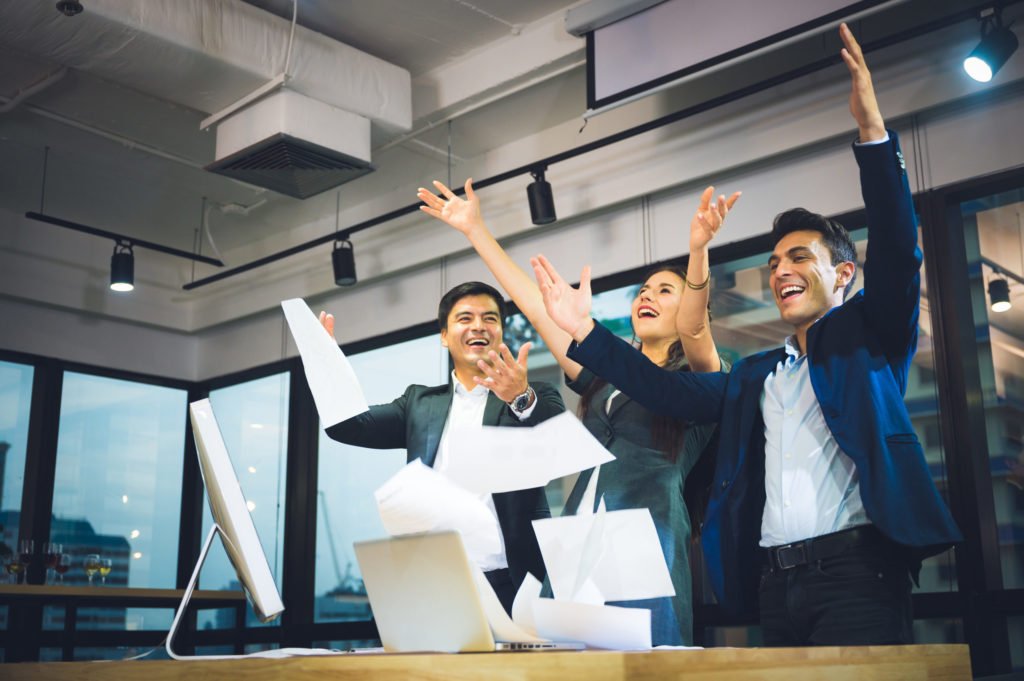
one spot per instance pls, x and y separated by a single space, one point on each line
505 375
863 105
569 308
462 214
327 321
709 218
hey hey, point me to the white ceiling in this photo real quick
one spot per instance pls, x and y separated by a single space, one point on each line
130 163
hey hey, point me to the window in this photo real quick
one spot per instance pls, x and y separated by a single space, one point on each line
117 491
253 419
994 234
348 476
15 402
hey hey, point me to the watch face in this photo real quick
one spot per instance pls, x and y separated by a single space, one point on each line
521 402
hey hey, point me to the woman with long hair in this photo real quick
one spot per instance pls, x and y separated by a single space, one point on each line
655 456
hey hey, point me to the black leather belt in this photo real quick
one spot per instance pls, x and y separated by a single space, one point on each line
814 549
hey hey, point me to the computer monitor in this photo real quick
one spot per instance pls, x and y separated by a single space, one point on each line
231 520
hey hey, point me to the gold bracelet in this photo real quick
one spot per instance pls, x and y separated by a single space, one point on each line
698 287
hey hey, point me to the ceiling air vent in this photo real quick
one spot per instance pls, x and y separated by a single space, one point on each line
293 144
291 166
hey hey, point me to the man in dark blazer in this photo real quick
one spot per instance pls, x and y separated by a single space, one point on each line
822 504
488 386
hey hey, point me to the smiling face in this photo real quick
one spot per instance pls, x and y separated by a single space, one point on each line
473 329
803 279
655 307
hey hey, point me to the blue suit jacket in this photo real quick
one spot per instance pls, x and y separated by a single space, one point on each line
858 356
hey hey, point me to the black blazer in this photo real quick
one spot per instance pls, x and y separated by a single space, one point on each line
415 421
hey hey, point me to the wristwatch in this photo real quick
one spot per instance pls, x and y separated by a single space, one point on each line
521 402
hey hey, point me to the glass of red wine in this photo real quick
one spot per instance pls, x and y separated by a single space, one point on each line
26 547
51 556
62 566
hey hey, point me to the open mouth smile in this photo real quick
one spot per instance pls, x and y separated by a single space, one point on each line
646 311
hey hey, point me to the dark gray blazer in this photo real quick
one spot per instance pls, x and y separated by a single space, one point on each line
415 421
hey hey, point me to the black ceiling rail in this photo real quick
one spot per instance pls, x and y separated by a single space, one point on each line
900 36
120 238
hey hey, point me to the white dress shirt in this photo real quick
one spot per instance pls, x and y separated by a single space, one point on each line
811 486
468 410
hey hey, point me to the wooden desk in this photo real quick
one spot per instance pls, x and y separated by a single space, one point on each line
877 663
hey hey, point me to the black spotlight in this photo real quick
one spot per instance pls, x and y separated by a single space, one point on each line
69 8
999 295
122 268
998 42
344 260
542 203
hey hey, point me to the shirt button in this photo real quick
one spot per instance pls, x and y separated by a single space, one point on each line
788 455
789 412
787 504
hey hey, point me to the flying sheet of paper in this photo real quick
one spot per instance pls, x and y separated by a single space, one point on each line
492 459
419 499
598 626
630 564
522 605
503 627
334 385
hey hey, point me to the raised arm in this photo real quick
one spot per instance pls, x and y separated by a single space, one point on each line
892 268
692 322
465 216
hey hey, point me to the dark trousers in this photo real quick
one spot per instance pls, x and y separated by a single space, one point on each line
501 581
859 597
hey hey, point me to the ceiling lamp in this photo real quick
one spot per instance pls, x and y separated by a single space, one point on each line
997 44
542 203
122 267
343 259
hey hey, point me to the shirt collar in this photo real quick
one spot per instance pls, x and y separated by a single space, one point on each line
460 389
792 347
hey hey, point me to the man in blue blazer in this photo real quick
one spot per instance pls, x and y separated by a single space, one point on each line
488 386
822 506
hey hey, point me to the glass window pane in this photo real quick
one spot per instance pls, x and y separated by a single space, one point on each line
348 476
117 491
994 234
15 403
253 419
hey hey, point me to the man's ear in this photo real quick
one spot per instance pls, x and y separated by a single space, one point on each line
844 274
444 337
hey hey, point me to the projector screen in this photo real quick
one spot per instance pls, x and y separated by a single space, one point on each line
679 37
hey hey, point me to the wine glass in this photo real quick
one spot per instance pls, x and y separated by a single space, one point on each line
106 565
91 565
62 566
26 547
12 563
51 555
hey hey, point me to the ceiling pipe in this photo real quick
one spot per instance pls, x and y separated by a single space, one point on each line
31 90
918 30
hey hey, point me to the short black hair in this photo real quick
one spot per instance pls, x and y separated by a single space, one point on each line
470 288
835 237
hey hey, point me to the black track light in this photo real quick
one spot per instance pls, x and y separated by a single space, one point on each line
343 259
999 294
998 42
542 203
122 267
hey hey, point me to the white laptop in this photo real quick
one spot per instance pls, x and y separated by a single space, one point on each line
425 598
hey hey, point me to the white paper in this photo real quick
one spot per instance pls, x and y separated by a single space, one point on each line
419 499
332 381
493 459
598 626
630 567
503 628
522 605
586 505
